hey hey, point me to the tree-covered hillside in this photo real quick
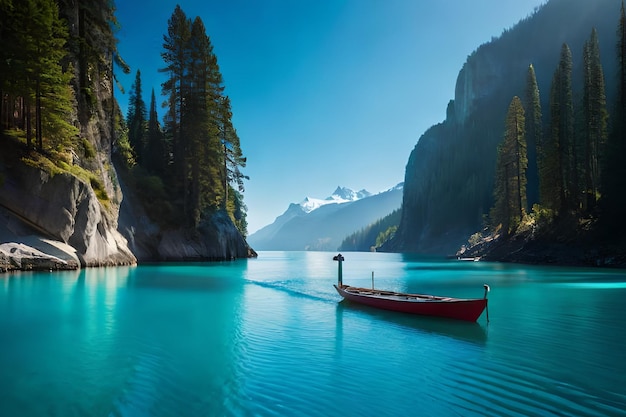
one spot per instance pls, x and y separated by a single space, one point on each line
58 62
193 163
450 176
61 130
48 63
373 235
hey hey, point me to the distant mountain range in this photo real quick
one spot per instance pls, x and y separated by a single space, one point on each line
322 224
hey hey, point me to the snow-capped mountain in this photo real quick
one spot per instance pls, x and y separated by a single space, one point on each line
340 195
321 224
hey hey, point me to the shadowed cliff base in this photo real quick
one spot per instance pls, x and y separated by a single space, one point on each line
564 244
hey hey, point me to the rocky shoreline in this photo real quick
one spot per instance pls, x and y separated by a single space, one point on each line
57 222
21 257
526 249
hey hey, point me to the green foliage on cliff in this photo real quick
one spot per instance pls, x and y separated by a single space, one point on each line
35 75
594 123
561 149
57 69
570 160
197 155
156 148
52 52
534 135
374 235
152 191
512 162
136 119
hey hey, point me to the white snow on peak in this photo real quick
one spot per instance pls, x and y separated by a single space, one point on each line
344 193
340 195
399 186
309 204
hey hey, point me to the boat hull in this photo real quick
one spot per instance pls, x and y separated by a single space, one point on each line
452 308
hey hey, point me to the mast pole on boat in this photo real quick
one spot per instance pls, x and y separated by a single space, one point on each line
339 258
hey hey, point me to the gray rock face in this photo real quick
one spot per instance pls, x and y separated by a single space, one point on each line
56 221
478 78
215 239
65 209
23 257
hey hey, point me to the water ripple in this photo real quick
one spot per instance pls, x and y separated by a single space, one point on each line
151 385
278 341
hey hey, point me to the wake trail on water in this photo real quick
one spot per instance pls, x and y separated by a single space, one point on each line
287 287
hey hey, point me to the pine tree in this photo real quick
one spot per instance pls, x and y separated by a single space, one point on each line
621 57
94 45
551 174
121 148
5 52
199 124
595 117
561 153
175 56
238 214
614 178
512 163
155 155
36 38
205 144
232 154
25 65
205 90
534 135
136 119
93 49
12 85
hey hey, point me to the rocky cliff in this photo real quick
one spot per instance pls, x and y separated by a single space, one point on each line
56 221
60 206
216 238
450 173
40 206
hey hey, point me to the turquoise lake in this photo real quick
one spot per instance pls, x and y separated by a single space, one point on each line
271 337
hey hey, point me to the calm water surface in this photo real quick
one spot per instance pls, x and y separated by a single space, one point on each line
270 337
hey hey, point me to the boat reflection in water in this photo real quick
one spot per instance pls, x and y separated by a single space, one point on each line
455 329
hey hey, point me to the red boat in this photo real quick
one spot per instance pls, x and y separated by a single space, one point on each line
468 309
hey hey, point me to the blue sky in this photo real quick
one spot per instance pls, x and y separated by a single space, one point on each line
324 92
